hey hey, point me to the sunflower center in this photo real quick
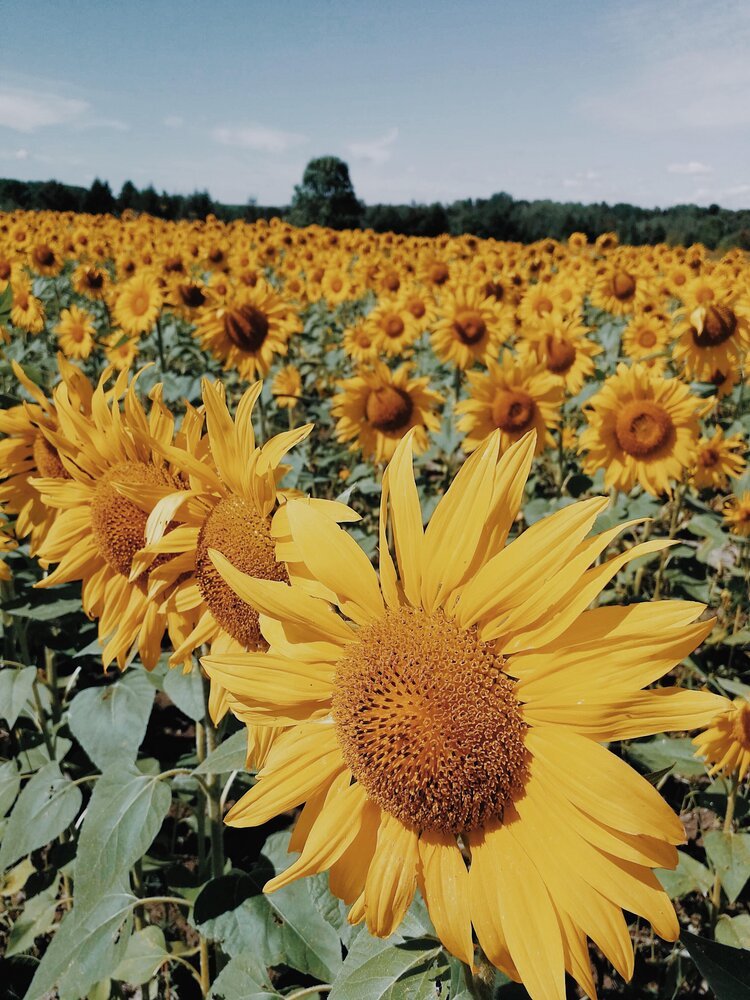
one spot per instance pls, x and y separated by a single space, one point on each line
246 327
191 295
623 286
118 525
392 281
336 284
469 327
5 270
389 409
643 427
708 458
393 326
428 722
647 338
543 305
742 726
44 255
417 308
47 459
718 325
439 274
94 280
494 290
513 410
560 355
236 529
139 303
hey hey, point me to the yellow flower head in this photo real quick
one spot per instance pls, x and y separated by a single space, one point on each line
76 332
719 458
453 707
725 743
737 514
287 387
138 304
469 327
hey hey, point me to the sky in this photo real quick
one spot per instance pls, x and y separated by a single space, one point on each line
644 101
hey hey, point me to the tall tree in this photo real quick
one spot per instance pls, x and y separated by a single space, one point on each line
326 196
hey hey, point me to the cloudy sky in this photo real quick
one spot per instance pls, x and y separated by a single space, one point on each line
638 101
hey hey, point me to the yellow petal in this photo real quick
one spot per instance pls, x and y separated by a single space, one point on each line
444 881
392 877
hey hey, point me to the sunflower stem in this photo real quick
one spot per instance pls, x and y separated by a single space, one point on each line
674 520
727 828
160 346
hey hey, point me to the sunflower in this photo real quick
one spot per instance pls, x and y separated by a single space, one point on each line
457 708
27 311
514 396
642 428
248 330
392 327
725 743
120 350
468 329
25 452
713 336
717 459
7 544
377 407
286 387
227 505
97 532
93 282
138 304
646 338
619 289
358 343
45 260
562 347
76 333
737 514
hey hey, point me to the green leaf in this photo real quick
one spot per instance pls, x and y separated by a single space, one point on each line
110 722
665 752
242 979
374 967
16 686
186 691
85 949
36 918
729 853
124 815
231 755
46 608
734 931
283 927
10 782
689 876
726 970
145 953
48 805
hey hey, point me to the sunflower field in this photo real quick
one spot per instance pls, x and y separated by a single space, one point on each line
374 615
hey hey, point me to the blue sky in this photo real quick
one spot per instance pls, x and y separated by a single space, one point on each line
640 101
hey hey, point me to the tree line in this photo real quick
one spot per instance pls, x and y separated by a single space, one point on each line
326 196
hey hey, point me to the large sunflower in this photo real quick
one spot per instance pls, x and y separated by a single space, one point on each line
248 330
642 428
456 708
713 336
377 407
469 328
97 531
26 453
515 396
562 347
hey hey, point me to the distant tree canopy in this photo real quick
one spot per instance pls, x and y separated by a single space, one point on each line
326 196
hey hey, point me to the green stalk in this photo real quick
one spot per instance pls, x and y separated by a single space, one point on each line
674 520
727 828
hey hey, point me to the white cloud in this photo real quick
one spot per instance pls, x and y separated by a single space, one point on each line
691 169
580 178
174 121
374 150
257 137
28 110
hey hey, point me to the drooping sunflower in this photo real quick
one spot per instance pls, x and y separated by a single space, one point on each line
642 428
469 328
138 303
455 707
713 336
97 531
515 395
92 282
377 407
725 743
737 514
248 330
718 458
76 333
25 452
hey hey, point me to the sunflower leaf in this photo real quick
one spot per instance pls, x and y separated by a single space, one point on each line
48 805
726 969
110 722
729 853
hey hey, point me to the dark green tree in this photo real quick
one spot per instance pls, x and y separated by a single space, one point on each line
99 198
128 196
326 196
